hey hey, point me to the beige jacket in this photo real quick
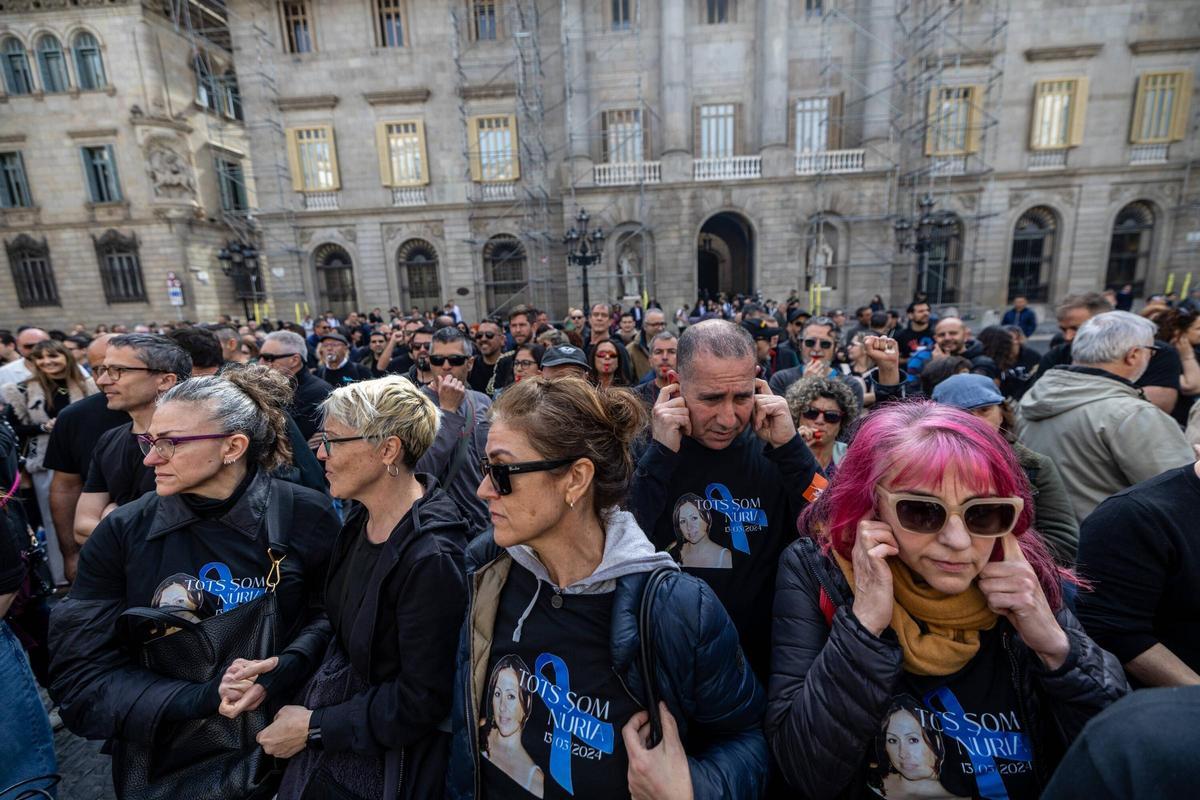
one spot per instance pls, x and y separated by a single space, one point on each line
28 403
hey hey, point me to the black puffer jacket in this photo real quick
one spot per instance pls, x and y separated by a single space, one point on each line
102 692
831 684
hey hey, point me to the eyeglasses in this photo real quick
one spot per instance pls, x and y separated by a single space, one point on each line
524 363
824 344
501 474
116 372
1153 347
832 417
165 445
455 361
420 345
577 316
327 443
271 358
985 517
488 335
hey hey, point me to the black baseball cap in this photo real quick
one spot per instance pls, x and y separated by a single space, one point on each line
565 354
797 313
760 328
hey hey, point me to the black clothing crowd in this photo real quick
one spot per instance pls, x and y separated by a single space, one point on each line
742 550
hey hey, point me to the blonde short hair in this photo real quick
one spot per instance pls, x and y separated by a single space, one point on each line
389 406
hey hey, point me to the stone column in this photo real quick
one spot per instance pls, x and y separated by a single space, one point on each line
674 93
575 45
772 69
879 28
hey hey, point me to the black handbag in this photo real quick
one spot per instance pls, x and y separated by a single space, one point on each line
213 758
648 654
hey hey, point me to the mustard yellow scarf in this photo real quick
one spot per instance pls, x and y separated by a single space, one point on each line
952 623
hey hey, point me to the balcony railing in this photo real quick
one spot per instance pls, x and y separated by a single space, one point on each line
496 192
628 173
1048 159
321 201
408 196
830 162
1148 153
949 165
731 168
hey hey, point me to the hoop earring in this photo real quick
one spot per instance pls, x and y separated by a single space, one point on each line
391 467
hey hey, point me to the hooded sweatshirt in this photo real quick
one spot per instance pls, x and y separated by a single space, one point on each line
554 706
1101 432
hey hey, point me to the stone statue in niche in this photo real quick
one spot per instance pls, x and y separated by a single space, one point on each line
629 265
169 172
820 259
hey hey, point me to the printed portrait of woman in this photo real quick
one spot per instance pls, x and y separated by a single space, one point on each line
182 595
508 709
692 524
909 754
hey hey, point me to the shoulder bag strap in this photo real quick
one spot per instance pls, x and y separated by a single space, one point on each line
648 653
464 442
279 522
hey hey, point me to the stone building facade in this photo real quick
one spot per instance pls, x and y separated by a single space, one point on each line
123 164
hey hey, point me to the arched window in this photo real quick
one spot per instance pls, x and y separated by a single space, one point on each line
1032 259
820 254
120 268
335 279
418 265
17 77
89 66
943 264
504 272
1129 250
32 274
52 64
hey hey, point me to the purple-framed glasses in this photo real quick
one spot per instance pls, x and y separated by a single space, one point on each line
165 445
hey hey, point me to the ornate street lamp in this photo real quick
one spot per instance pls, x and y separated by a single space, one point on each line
583 250
919 235
240 262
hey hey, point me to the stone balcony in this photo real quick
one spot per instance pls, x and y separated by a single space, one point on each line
629 173
405 196
1148 154
321 201
830 162
730 168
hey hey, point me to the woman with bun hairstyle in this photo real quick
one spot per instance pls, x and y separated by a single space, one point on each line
550 691
212 444
918 574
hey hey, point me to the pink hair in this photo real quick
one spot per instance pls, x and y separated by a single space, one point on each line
916 444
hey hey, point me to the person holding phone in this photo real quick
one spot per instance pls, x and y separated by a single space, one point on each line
920 575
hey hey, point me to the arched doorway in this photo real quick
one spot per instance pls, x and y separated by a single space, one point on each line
418 264
1032 262
335 279
1129 250
725 256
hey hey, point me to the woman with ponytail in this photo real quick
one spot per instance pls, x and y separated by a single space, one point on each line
196 548
921 643
566 684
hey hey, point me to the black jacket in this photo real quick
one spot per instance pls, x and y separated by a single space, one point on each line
101 691
831 684
403 642
310 392
718 709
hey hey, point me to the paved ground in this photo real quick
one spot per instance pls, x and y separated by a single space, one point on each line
86 772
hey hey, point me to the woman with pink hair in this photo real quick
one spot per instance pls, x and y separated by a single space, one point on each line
918 575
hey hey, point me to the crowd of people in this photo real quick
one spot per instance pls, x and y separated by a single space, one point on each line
741 551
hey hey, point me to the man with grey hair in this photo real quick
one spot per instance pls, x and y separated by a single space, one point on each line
137 369
725 477
230 343
286 352
1091 418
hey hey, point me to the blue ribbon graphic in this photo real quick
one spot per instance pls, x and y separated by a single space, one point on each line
593 732
722 500
987 777
224 588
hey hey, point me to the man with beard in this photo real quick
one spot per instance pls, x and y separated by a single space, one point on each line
368 357
951 337
336 367
653 323
396 358
284 351
917 333
489 340
421 373
520 331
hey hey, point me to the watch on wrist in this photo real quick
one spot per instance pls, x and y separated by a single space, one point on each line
314 741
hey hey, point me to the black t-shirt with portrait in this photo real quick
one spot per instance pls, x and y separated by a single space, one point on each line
959 735
117 467
77 429
910 341
553 707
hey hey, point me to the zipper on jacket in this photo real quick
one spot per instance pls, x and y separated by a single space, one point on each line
620 680
1006 641
471 718
812 569
400 779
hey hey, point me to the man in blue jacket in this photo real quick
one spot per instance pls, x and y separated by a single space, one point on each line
1021 315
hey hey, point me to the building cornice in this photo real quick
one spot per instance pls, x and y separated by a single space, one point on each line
488 91
980 58
26 6
139 121
12 138
316 101
1065 53
93 133
397 97
1144 46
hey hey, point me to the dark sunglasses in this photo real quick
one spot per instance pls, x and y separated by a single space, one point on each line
455 361
985 517
500 474
824 344
272 358
832 417
487 335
